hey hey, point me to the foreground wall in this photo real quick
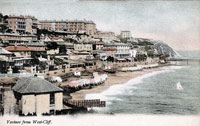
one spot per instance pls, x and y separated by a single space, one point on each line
40 104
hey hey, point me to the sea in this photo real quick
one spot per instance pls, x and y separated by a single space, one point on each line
158 92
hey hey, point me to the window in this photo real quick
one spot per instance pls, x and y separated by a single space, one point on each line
52 98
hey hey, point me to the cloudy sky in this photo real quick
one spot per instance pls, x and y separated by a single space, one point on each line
175 22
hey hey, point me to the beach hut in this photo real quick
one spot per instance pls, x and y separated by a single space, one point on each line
55 79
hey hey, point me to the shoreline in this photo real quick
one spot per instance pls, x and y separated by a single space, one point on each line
113 79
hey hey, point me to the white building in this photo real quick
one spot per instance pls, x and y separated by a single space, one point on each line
123 49
99 45
5 55
126 34
83 47
133 53
38 96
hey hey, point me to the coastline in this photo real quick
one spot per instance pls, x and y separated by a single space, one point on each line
113 79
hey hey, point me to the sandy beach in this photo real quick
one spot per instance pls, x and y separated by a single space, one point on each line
113 79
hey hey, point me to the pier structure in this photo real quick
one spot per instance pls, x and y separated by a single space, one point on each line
185 59
84 103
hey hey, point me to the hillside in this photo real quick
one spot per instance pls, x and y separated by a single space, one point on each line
161 47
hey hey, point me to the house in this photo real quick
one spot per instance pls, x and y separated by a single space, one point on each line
83 47
5 60
38 96
133 53
20 51
98 45
17 38
122 49
5 55
110 51
74 26
52 51
37 48
22 55
105 36
125 34
23 24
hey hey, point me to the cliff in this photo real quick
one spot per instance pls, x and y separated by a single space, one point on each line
160 47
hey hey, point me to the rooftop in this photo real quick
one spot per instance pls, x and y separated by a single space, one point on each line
35 85
8 80
4 51
109 49
17 48
125 31
100 43
29 44
117 44
14 34
66 21
21 16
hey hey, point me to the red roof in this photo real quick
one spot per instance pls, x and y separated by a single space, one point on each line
109 49
17 48
100 43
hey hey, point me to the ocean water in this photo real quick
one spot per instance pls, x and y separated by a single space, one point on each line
156 93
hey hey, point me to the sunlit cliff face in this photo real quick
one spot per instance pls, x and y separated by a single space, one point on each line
175 22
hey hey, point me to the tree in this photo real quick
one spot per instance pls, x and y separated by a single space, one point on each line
1 41
4 24
124 40
52 45
1 17
3 28
62 49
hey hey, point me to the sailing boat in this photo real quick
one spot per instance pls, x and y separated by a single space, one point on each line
179 86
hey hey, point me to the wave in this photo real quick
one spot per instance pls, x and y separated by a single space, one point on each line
127 88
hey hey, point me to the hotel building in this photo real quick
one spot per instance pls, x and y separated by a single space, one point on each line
23 24
122 49
89 27
125 35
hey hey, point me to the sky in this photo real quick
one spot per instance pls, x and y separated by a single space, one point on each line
177 23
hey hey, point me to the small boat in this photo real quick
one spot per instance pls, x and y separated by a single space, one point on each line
112 70
179 86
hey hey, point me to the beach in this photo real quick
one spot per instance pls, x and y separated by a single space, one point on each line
113 79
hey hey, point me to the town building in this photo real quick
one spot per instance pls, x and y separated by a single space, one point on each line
5 60
125 34
20 51
98 45
122 49
34 46
105 36
37 48
109 51
83 47
77 26
52 51
17 38
22 55
23 24
133 52
5 55
38 96
101 34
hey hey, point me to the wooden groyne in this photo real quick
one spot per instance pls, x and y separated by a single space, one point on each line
85 103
